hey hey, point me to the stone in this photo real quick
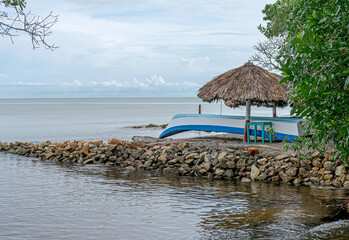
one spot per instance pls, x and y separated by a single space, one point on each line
328 176
297 181
317 164
163 156
203 171
207 166
229 173
254 172
88 161
189 161
337 183
302 171
253 151
110 148
284 177
231 164
315 179
329 166
346 184
169 171
262 177
192 156
173 161
115 141
85 149
262 161
148 163
315 154
219 172
292 172
221 156
275 179
340 170
245 180
280 157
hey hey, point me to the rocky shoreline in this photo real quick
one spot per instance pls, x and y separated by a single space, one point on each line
194 158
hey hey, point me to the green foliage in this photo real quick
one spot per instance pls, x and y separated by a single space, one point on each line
20 3
315 61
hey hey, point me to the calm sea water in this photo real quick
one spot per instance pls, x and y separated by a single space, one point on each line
37 120
47 200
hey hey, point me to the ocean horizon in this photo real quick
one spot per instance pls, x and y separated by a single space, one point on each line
62 119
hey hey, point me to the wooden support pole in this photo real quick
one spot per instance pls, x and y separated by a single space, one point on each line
247 119
274 111
199 108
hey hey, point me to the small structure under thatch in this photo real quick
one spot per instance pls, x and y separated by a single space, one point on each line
248 82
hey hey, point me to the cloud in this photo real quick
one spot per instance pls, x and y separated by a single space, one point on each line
3 75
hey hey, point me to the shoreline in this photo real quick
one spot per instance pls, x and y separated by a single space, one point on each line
214 157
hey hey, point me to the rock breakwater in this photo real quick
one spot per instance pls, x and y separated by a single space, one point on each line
193 159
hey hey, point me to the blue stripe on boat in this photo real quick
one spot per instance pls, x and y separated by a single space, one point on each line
213 128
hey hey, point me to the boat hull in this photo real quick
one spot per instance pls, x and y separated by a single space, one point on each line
284 127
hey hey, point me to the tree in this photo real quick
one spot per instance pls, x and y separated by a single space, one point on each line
315 61
14 20
267 53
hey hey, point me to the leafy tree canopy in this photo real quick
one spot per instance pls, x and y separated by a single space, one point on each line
315 61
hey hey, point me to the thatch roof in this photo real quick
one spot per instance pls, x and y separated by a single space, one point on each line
238 85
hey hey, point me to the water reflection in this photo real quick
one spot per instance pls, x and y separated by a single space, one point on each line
94 202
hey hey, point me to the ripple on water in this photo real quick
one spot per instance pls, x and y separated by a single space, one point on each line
46 200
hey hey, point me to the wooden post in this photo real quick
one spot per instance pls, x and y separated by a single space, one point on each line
247 119
199 108
274 111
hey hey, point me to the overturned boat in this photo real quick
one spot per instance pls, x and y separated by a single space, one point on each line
284 127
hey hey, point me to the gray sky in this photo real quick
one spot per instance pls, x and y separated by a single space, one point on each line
134 48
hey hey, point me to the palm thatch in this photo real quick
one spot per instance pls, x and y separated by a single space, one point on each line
248 82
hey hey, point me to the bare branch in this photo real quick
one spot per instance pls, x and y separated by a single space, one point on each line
267 53
14 20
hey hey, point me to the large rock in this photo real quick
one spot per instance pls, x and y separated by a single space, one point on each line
292 172
110 148
219 172
340 170
254 172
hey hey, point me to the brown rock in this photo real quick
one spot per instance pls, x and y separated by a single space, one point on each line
85 149
110 148
297 181
275 179
253 151
192 156
231 164
115 141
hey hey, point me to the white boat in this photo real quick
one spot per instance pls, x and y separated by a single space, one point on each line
284 127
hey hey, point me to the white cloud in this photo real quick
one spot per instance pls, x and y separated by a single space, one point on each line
75 83
3 75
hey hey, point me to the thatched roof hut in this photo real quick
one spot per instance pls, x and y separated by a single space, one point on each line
248 82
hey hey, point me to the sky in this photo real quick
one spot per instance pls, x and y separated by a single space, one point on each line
133 48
